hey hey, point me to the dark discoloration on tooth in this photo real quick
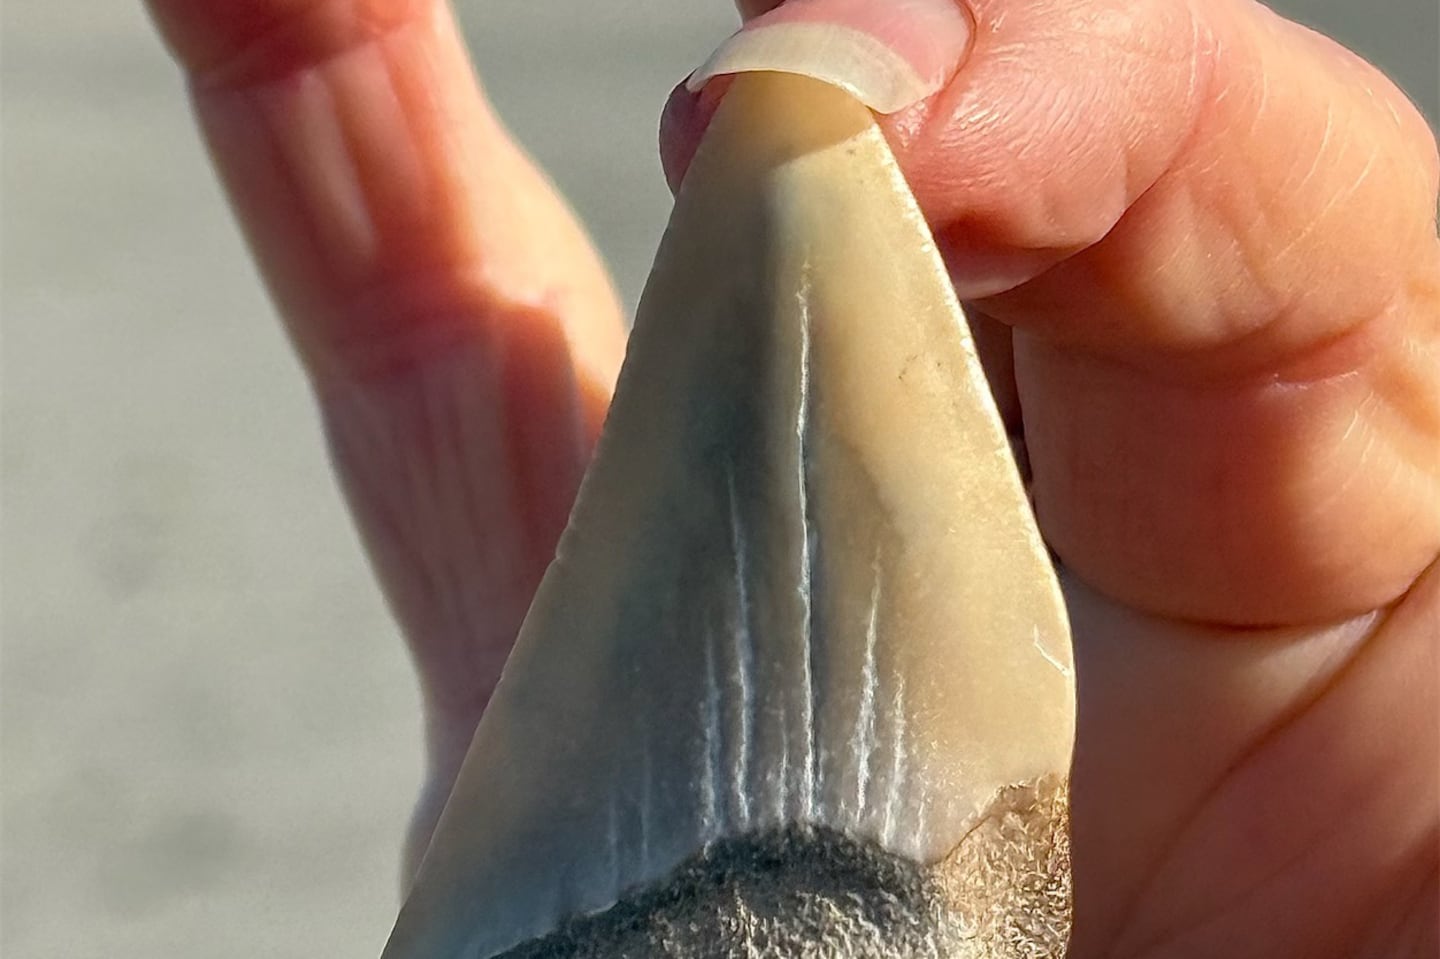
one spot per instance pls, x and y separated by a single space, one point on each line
802 891
794 891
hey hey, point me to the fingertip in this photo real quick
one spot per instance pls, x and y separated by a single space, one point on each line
889 56
750 9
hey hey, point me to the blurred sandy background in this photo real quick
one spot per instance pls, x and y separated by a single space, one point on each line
210 731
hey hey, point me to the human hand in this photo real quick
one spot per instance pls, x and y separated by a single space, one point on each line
1213 237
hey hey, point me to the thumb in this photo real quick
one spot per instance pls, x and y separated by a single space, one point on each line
1213 235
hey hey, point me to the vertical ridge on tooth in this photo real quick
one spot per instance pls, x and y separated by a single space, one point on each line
801 592
807 539
711 774
744 648
866 681
895 776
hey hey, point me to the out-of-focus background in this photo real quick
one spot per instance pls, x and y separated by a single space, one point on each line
210 734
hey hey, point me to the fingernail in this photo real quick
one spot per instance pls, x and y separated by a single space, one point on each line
887 55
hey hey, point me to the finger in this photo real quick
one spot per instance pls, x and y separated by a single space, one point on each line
749 9
1214 234
461 335
1280 792
376 185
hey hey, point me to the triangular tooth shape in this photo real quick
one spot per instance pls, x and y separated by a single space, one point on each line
802 585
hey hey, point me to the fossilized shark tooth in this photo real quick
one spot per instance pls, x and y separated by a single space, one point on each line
799 678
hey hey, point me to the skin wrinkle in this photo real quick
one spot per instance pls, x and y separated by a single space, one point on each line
981 122
1300 861
1163 946
1387 646
1259 897
1410 412
311 137
1393 468
543 458
1240 225
1266 264
1420 920
1311 369
425 589
1412 379
1249 346
1358 424
397 328
1320 150
1234 215
301 38
223 122
1328 676
367 110
1322 474
1239 676
1156 947
436 502
1336 199
1385 934
431 582
1375 464
1259 118
379 314
366 53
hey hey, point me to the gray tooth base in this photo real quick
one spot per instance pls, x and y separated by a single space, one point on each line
803 892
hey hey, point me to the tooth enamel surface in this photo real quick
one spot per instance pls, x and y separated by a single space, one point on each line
801 587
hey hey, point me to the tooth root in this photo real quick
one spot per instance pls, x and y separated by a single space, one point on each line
801 585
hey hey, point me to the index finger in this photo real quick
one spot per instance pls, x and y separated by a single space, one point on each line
380 194
461 334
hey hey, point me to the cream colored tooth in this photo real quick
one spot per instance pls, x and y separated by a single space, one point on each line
841 56
801 604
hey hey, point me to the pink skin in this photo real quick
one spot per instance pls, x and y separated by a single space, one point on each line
933 35
461 337
1199 246
1218 391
